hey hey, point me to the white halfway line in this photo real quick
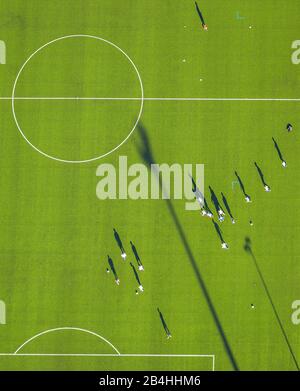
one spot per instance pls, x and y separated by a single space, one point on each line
150 99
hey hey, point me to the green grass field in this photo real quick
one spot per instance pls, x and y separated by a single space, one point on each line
56 234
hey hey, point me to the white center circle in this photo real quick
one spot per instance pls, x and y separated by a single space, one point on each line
96 157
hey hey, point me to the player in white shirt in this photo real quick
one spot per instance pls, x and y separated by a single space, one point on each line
224 246
205 212
221 215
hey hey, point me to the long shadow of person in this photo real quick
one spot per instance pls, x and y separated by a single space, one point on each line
137 257
145 151
198 194
241 185
165 326
260 174
278 150
112 267
194 186
207 206
248 249
199 13
136 274
119 241
215 200
225 202
218 230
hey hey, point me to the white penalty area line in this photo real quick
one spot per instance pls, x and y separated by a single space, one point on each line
149 99
116 354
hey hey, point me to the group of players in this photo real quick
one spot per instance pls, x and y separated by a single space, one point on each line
205 211
124 256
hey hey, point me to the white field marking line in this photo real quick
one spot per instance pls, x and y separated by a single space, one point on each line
151 99
65 328
108 355
59 159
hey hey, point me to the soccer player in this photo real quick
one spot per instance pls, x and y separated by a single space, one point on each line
203 212
221 215
201 17
284 163
141 288
289 127
224 246
267 188
221 218
120 244
247 198
107 270
221 212
137 257
198 195
206 212
117 281
166 328
232 220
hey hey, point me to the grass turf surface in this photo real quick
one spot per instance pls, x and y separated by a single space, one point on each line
55 233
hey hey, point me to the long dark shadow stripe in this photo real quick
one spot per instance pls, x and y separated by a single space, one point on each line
146 154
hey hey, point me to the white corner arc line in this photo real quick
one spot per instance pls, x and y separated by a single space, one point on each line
66 328
141 99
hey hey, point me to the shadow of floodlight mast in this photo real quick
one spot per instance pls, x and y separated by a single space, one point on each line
145 152
248 249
